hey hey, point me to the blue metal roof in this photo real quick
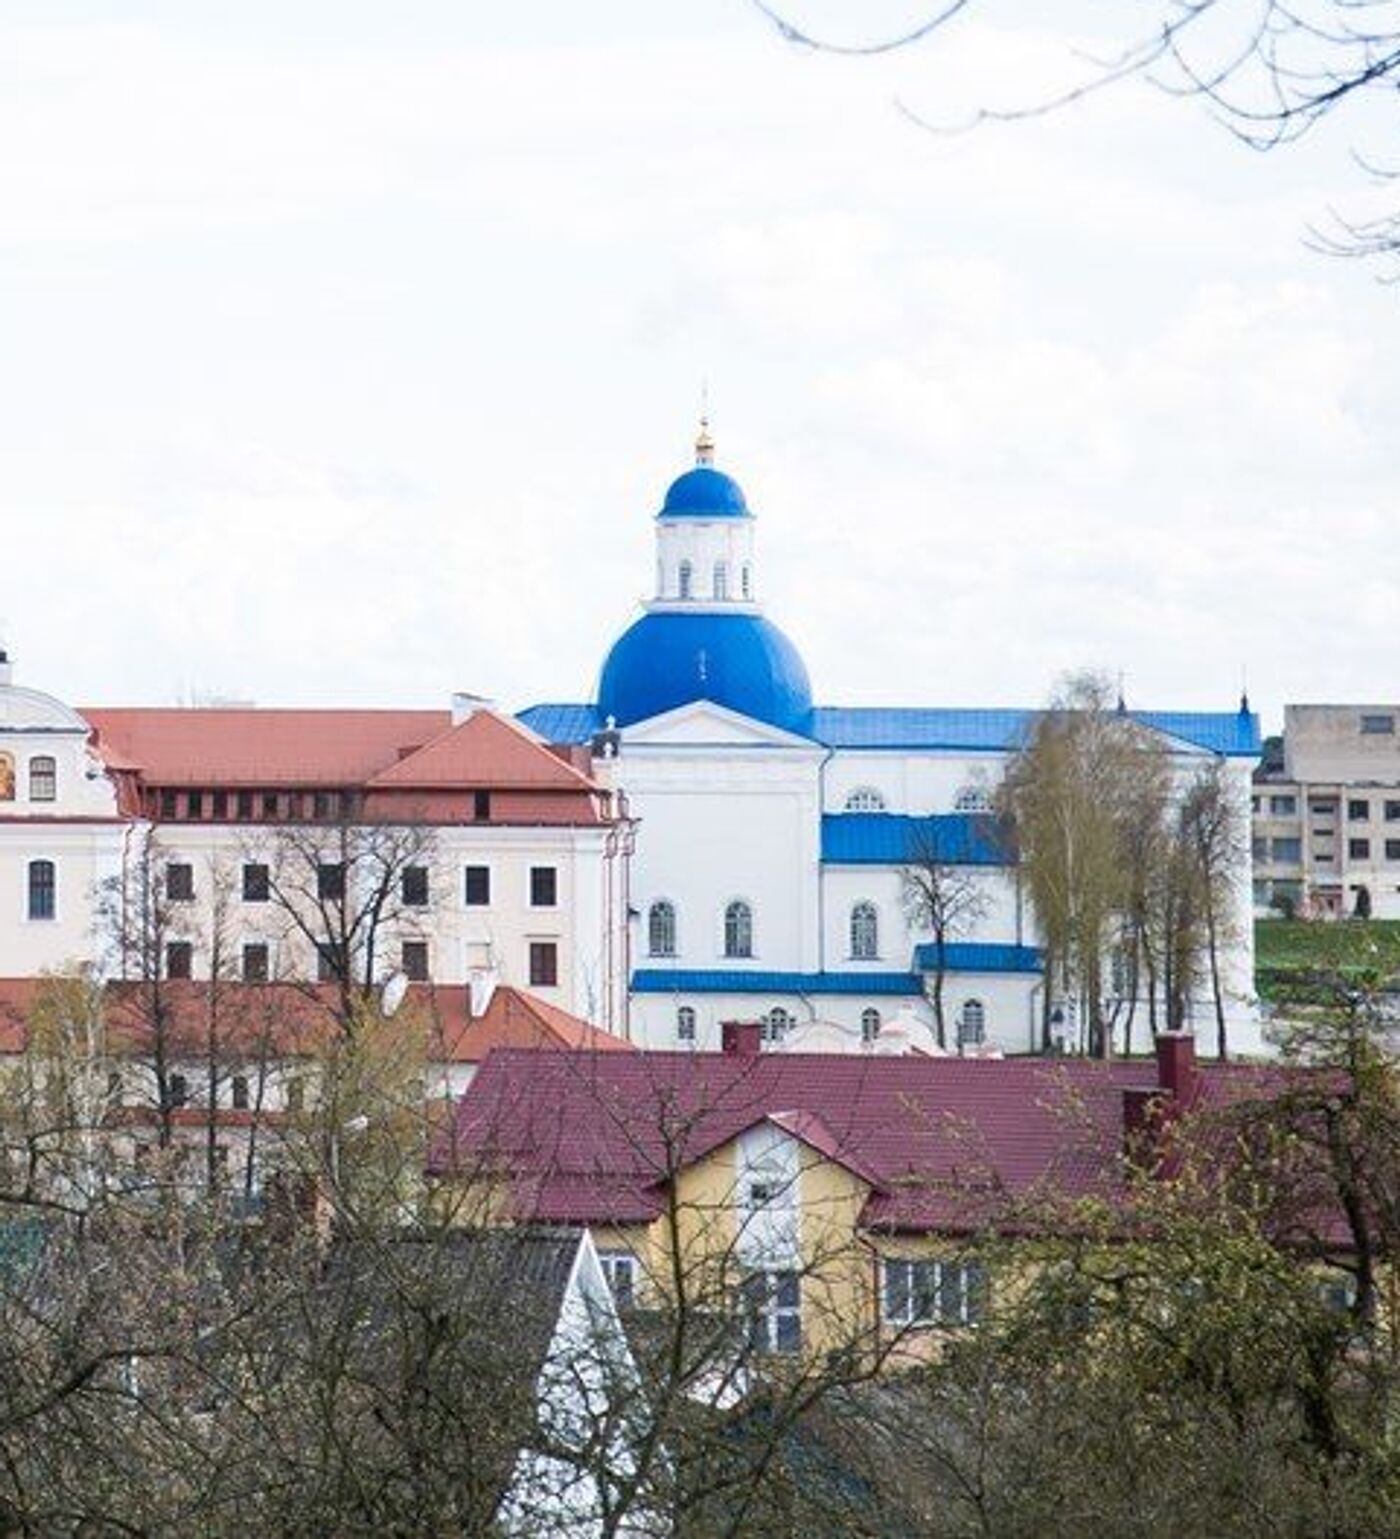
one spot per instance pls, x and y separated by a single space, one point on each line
893 839
658 980
562 722
669 659
704 492
978 957
1232 733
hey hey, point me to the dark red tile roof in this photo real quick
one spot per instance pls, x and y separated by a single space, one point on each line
938 1140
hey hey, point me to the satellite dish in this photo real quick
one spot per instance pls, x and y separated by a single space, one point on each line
392 994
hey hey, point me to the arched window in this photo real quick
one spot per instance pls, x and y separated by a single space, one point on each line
776 1024
972 799
661 929
746 580
683 580
865 932
685 1024
721 580
738 929
43 885
865 799
972 1022
43 778
869 1024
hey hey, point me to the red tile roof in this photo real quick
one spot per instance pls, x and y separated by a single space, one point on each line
419 750
936 1139
486 750
283 1020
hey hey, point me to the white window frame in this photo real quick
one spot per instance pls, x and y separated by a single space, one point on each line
749 950
931 1291
972 1023
772 1297
621 1273
865 931
52 773
870 1024
686 1025
866 799
653 950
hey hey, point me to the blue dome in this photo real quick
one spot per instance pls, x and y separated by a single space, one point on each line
704 493
741 661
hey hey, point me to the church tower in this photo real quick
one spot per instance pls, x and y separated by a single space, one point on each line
704 540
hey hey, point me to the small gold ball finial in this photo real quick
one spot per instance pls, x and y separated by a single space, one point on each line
704 444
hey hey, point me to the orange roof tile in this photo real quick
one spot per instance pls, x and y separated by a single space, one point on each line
388 749
485 750
289 1020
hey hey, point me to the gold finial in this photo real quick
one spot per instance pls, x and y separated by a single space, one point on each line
704 444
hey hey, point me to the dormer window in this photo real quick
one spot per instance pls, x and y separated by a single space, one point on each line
43 778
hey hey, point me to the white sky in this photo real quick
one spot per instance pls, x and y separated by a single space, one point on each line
347 347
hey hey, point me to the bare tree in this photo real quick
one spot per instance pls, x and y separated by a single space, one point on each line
943 898
1270 71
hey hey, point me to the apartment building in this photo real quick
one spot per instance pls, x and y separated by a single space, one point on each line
1325 813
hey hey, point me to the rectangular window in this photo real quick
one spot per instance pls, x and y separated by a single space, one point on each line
415 886
544 964
1261 847
415 961
178 1088
1283 806
323 805
43 778
245 805
269 804
179 882
481 806
169 805
1392 849
1358 810
1322 806
255 883
543 887
1254 803
1358 849
773 1306
43 889
478 892
194 804
1379 725
1392 812
219 806
330 882
179 959
255 962
620 1270
238 1092
330 962
928 1292
1286 850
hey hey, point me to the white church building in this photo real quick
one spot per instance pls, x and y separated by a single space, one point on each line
773 832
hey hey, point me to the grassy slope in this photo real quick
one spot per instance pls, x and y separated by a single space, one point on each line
1286 950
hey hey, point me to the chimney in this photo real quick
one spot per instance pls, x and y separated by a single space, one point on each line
1176 1066
742 1039
1148 1112
465 706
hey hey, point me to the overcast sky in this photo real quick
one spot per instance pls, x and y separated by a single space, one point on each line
346 350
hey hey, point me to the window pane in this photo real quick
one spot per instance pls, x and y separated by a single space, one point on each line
544 964
43 778
542 886
255 963
330 882
415 886
478 889
42 889
255 884
179 882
